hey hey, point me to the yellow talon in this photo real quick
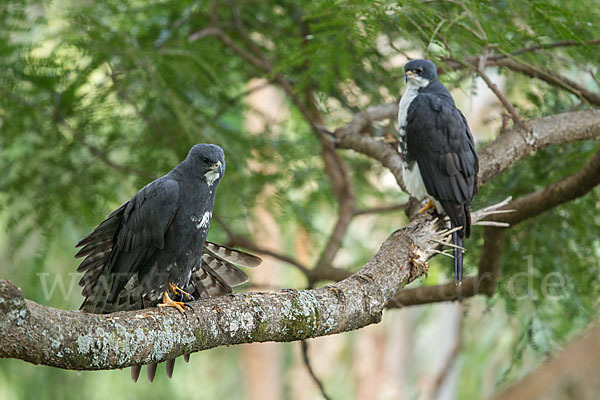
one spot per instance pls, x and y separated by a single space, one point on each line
177 291
429 205
167 302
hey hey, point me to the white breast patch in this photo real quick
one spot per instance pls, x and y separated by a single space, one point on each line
407 98
410 94
415 185
414 182
203 222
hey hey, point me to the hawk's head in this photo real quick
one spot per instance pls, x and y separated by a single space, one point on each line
420 73
206 161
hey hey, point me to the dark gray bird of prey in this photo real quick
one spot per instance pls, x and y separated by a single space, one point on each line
438 151
155 245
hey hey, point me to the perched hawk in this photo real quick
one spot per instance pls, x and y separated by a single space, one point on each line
155 245
438 151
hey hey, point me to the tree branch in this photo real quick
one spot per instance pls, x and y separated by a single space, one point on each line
550 77
494 158
350 136
505 102
565 43
381 209
234 239
82 341
334 166
522 140
311 372
565 190
76 340
572 374
533 71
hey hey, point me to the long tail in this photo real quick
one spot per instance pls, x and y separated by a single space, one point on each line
458 257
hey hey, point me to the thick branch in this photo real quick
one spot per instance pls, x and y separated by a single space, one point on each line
519 142
563 191
572 374
76 340
350 136
495 158
82 341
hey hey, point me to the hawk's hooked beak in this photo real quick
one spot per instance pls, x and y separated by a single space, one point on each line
215 166
408 76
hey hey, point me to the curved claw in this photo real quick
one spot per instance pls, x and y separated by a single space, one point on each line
167 302
181 295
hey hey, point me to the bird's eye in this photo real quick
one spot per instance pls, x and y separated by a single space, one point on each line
206 160
419 70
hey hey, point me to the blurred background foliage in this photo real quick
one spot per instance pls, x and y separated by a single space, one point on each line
97 98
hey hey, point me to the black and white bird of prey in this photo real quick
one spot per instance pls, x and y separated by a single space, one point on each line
155 245
438 151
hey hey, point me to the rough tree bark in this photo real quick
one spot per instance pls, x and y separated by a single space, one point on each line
572 374
75 340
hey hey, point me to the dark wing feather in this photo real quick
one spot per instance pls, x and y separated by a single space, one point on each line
439 140
120 245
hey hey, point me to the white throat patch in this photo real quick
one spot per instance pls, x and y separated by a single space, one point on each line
418 81
412 90
211 176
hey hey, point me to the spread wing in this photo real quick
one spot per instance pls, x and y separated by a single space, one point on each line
218 275
120 246
440 140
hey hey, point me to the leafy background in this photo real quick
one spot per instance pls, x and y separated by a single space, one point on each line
98 98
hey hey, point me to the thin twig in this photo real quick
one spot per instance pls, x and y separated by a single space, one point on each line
505 102
234 239
319 384
443 253
566 43
492 223
445 243
381 209
518 65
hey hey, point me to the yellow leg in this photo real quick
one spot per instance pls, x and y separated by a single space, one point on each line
429 205
179 292
167 302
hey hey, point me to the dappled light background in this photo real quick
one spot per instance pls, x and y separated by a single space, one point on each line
99 98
